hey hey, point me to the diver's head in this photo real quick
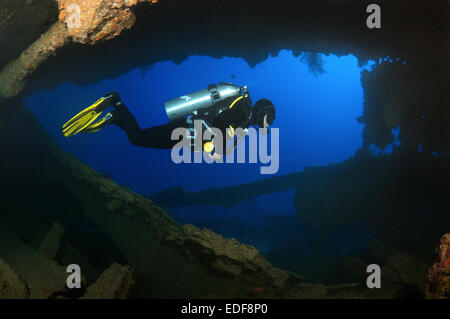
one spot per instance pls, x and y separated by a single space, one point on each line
263 113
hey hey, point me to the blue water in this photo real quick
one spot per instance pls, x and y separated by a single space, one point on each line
316 116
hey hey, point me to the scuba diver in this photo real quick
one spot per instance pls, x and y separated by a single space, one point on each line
224 106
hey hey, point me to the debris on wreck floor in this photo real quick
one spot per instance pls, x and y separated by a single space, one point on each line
438 276
403 275
50 245
27 273
42 276
11 284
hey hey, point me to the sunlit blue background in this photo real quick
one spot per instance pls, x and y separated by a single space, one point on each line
316 115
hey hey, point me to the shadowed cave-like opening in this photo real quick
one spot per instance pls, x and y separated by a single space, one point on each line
411 97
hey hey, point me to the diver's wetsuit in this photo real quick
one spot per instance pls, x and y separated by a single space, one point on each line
160 136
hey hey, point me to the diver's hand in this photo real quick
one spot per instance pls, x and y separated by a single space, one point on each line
215 156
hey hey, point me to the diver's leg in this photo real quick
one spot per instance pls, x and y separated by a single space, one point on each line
154 137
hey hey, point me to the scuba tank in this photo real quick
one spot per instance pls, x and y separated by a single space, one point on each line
203 99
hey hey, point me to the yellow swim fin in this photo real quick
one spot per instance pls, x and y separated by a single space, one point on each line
82 122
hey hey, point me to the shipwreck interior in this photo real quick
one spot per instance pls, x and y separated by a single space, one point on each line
46 194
